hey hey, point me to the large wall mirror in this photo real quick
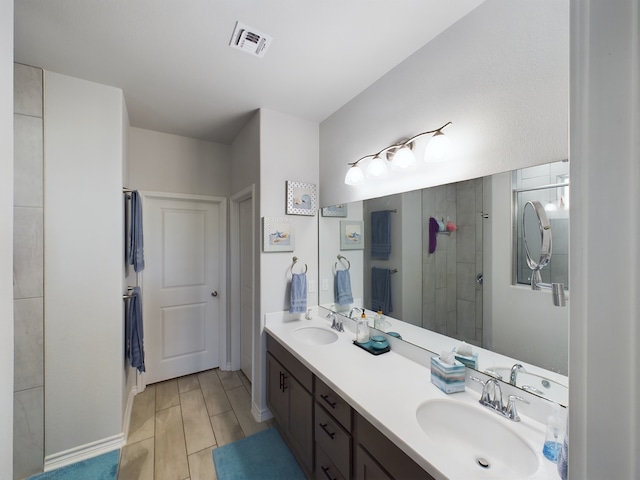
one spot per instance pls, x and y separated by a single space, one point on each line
458 272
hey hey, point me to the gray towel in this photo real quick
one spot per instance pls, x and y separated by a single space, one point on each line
381 290
343 287
135 247
298 302
381 234
135 335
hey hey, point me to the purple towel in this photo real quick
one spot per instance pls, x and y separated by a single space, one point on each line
433 233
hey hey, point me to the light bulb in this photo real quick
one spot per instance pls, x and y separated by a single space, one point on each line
355 176
403 158
377 168
438 148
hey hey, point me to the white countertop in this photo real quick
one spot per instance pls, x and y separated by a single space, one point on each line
387 390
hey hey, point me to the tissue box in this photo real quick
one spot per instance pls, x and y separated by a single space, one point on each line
448 378
471 362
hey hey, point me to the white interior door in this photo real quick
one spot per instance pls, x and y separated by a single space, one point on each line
182 289
245 239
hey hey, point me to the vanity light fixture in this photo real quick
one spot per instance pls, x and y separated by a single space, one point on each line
400 156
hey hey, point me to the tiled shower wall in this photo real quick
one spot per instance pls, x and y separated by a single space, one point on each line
452 299
28 420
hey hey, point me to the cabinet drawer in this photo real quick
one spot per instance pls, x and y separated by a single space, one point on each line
325 469
333 403
291 363
334 440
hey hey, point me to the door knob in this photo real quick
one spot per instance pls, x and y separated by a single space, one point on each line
214 293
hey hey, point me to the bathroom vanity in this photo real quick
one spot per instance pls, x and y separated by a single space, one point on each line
348 414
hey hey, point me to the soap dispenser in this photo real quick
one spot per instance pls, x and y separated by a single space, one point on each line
555 435
362 329
378 321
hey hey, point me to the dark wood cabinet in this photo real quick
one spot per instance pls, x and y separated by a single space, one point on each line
329 439
290 402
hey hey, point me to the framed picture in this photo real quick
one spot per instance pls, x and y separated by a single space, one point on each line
277 235
351 235
335 210
302 198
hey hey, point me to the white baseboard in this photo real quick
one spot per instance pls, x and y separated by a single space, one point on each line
83 452
260 415
126 421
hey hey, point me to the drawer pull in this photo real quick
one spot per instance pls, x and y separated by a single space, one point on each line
326 472
323 426
285 385
326 399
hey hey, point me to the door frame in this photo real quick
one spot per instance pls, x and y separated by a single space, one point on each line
234 284
222 302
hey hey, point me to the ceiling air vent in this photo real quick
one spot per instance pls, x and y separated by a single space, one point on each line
250 40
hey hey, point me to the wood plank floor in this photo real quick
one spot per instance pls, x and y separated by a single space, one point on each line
175 425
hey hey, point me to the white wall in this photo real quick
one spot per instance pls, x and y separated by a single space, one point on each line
604 361
521 323
288 151
84 328
162 162
6 236
500 75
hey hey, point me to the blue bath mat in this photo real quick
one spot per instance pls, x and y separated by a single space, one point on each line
262 456
102 467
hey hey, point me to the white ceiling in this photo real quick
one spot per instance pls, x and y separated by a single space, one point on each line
172 60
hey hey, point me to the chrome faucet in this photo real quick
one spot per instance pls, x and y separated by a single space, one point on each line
336 323
355 309
491 398
514 373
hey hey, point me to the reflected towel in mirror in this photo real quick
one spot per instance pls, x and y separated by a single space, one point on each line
343 295
381 290
381 234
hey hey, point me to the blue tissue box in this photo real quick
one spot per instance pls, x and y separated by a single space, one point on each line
448 378
471 362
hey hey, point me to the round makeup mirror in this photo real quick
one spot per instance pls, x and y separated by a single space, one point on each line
536 233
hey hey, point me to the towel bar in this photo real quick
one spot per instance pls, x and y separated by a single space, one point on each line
295 259
340 258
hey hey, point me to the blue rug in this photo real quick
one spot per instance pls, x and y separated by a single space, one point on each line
102 467
261 456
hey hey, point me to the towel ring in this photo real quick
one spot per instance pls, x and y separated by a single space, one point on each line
340 258
295 260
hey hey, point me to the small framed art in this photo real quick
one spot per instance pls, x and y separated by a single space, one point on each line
335 210
302 198
277 235
351 235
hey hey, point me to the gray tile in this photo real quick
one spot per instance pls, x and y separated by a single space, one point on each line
27 173
229 379
245 381
170 451
28 253
466 281
241 402
201 465
466 244
28 432
188 383
137 460
167 394
214 396
28 344
27 90
197 427
226 428
142 423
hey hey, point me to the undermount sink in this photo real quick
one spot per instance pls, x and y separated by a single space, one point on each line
315 335
480 443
